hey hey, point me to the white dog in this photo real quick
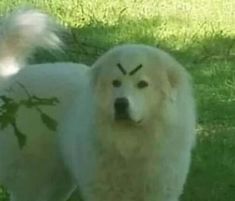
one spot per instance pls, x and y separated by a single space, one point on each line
126 127
139 127
32 100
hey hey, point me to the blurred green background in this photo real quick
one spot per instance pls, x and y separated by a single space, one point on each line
199 33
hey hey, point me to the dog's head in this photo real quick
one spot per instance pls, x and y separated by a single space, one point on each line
134 82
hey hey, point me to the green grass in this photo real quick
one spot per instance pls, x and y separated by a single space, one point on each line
200 34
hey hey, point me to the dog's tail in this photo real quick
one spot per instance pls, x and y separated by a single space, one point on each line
20 34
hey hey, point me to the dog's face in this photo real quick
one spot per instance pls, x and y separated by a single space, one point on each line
132 84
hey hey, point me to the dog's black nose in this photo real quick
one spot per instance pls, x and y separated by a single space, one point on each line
121 104
121 108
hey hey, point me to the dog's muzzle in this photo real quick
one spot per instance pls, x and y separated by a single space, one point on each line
121 106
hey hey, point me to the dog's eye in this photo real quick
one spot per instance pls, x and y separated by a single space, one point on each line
142 84
117 83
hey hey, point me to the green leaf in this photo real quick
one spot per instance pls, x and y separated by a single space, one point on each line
8 111
49 122
19 135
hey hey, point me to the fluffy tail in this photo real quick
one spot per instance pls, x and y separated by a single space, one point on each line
20 34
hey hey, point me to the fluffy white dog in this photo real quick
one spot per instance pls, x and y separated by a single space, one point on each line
32 100
126 126
139 127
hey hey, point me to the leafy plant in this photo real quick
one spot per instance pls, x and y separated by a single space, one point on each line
10 107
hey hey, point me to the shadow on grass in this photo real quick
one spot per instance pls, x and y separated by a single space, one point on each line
86 43
91 41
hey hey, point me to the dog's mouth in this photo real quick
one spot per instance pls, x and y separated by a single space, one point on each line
126 118
122 116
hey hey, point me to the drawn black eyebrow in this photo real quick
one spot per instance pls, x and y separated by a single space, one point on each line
121 69
136 69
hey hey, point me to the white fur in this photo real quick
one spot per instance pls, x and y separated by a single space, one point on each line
131 161
22 32
37 171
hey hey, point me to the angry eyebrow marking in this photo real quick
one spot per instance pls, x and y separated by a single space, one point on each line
121 69
136 69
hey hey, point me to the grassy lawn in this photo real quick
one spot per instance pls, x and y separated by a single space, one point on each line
200 34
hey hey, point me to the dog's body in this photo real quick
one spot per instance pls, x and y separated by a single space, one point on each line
141 128
35 171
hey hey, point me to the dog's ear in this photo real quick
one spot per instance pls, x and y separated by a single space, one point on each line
174 76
